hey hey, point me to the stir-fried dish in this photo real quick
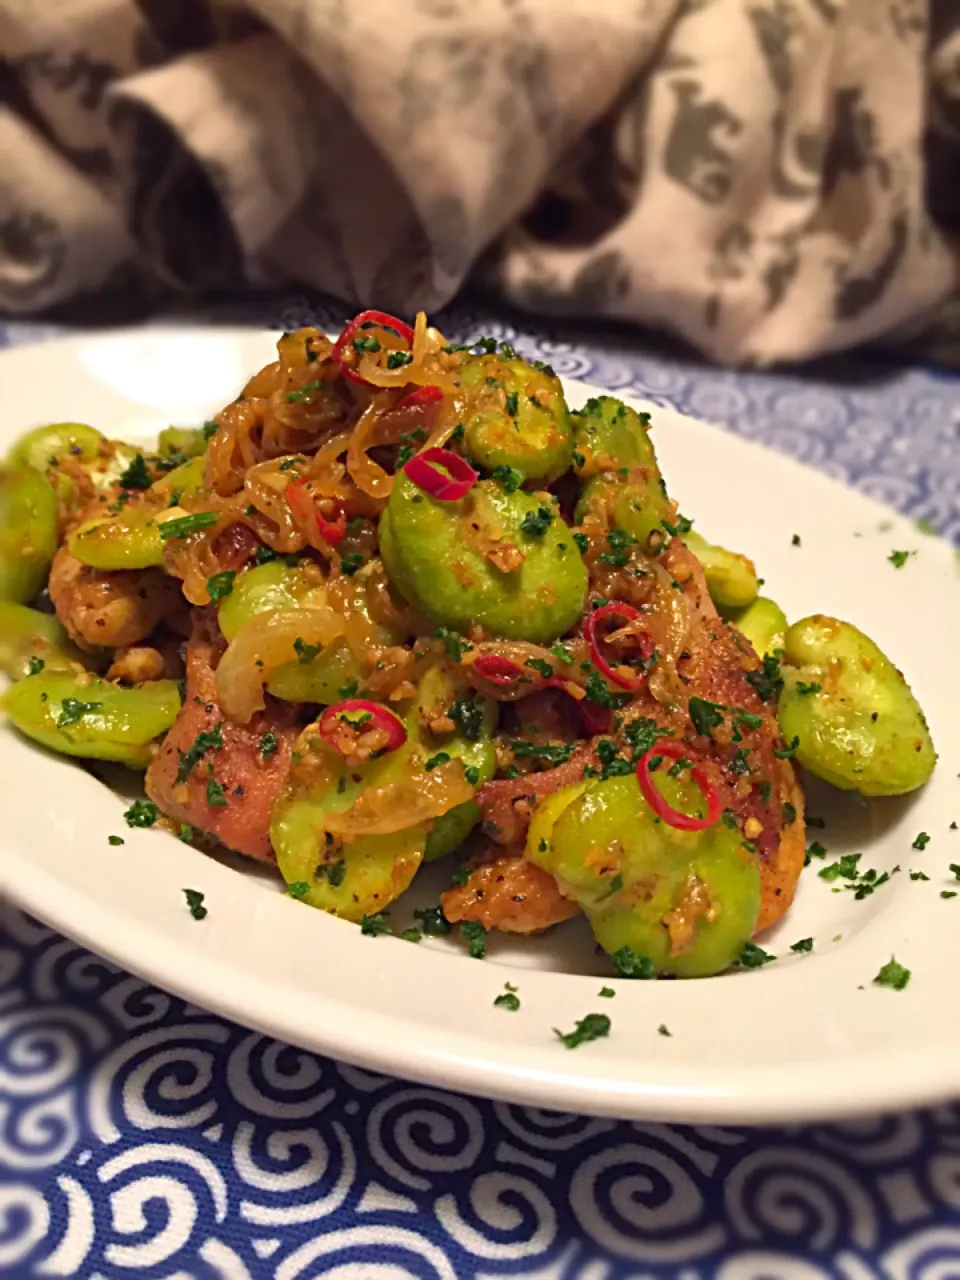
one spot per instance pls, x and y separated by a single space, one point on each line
398 601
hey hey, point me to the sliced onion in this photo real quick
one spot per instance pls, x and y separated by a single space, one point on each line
259 647
414 799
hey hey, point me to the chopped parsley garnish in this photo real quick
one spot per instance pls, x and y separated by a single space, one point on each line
195 903
136 475
404 454
919 875
185 832
220 585
630 964
682 526
847 868
349 690
472 775
561 653
411 935
333 872
597 691
467 715
814 850
142 813
582 542
115 840
808 688
374 924
948 893
955 868
216 797
264 555
35 666
350 562
898 559
536 523
508 999
508 477
305 652
454 644
805 944
299 889
397 359
72 710
460 877
921 841
512 403
619 542
210 429
595 1026
367 343
795 540
209 740
186 525
442 757
767 682
541 666
893 974
433 921
705 715
476 936
553 754
607 992
268 744
304 395
788 814
752 956
789 751
664 1030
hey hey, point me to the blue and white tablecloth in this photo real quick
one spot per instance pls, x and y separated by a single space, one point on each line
141 1136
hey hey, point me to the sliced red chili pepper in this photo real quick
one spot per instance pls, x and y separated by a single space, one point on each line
301 504
352 328
595 719
497 670
423 470
658 802
420 397
616 609
376 717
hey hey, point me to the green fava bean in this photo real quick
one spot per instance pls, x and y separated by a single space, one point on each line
187 440
519 418
438 555
28 532
368 873
187 478
276 585
472 743
686 901
29 637
763 623
731 578
39 447
94 719
614 454
128 540
858 724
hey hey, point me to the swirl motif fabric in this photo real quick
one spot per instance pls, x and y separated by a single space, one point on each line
141 1136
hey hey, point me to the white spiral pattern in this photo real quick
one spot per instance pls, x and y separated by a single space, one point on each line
141 1135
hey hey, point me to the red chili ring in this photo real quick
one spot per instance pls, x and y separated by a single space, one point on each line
384 719
301 504
350 330
445 488
498 670
420 398
616 609
661 806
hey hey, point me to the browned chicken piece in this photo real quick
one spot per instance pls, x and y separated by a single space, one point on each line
137 664
220 777
510 894
102 609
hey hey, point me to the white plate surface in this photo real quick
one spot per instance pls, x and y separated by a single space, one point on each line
807 1037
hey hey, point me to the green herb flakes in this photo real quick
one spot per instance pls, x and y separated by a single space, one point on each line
595 1026
195 903
142 813
476 936
893 974
508 999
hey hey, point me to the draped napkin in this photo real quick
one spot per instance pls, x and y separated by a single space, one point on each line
768 179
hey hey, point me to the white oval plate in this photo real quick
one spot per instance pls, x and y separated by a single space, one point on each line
807 1037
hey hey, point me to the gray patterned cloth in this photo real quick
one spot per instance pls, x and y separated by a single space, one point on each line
767 178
